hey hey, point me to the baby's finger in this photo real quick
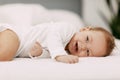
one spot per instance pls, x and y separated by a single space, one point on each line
76 60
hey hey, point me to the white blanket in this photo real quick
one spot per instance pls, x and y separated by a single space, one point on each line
33 14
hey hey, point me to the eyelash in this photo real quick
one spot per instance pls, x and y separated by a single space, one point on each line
87 39
87 52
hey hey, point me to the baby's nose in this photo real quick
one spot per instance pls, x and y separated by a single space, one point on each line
83 47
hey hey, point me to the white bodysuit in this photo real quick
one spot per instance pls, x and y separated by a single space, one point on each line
53 38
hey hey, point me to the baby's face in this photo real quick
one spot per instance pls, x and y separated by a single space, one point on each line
88 43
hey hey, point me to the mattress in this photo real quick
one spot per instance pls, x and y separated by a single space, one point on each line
88 68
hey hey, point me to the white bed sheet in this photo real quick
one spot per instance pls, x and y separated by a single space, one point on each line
92 68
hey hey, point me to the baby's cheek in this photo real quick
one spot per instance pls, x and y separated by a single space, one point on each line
81 54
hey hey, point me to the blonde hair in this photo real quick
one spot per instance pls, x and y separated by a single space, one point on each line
109 39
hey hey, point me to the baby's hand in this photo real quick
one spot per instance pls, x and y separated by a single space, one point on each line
36 49
67 59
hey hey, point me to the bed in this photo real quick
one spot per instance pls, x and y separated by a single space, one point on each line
88 68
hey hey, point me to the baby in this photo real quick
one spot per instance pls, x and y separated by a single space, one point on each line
89 41
61 41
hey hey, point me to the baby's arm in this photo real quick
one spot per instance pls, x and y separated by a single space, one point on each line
58 52
60 34
67 59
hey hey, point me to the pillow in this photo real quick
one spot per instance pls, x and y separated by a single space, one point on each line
52 15
67 16
19 14
116 50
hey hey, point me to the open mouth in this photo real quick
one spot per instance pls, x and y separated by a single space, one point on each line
76 47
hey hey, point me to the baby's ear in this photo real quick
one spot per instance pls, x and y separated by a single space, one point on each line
86 29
